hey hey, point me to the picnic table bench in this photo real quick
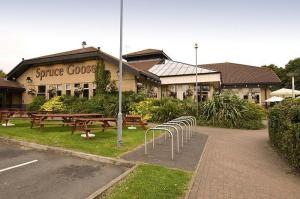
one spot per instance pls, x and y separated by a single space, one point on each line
88 124
134 120
59 119
9 114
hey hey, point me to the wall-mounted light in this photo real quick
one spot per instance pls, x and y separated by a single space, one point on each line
29 80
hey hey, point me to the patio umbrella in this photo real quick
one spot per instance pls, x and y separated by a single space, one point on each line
284 92
274 99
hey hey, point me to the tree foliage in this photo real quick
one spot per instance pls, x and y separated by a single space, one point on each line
2 74
102 77
292 67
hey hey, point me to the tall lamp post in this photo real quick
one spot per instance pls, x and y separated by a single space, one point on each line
196 50
120 117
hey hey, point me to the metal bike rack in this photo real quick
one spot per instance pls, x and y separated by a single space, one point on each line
180 124
168 126
189 123
160 129
193 120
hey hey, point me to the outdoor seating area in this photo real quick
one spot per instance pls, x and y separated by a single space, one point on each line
58 119
135 120
83 122
7 115
88 124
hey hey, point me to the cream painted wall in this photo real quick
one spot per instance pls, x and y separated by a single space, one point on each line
241 92
215 77
129 80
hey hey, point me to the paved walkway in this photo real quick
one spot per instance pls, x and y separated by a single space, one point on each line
186 159
241 164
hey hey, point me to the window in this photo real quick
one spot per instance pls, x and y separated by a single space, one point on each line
41 91
77 90
257 98
94 89
68 89
203 92
59 90
172 91
52 91
86 90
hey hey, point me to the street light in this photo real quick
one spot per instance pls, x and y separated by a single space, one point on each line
120 117
196 49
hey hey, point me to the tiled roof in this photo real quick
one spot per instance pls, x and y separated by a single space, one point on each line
71 52
10 84
87 53
145 65
243 74
144 52
174 68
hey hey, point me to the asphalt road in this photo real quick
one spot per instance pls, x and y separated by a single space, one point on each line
27 173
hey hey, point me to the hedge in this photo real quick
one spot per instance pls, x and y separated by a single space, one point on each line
284 130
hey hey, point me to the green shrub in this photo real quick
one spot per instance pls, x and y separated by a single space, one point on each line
163 110
144 108
228 110
55 105
167 109
36 104
74 104
105 103
284 130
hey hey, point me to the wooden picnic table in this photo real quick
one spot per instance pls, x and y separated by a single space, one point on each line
86 124
6 115
134 120
66 119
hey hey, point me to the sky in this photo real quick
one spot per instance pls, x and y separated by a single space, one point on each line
253 32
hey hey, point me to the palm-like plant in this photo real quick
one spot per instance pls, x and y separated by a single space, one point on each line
225 109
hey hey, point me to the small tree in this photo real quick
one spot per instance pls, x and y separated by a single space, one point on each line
102 77
2 74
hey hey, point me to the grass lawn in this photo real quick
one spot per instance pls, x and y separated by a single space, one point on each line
149 181
103 144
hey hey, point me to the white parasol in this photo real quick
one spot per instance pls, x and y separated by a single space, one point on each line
274 99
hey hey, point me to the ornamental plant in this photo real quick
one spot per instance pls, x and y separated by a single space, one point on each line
55 105
36 104
228 110
144 108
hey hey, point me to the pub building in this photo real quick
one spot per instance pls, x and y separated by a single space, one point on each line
73 73
68 73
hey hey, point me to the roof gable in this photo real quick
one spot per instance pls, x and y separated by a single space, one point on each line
70 56
146 55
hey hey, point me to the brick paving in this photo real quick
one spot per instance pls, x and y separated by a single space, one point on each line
241 164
